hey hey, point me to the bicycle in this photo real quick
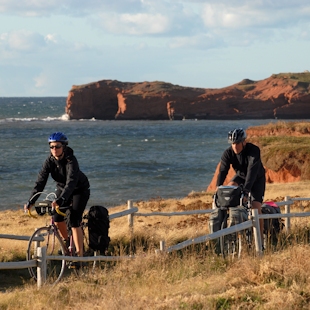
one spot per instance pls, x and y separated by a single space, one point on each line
49 237
230 203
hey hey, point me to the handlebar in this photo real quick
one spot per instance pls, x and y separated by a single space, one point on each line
59 212
44 207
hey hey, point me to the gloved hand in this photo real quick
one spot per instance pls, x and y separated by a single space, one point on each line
245 197
60 201
27 206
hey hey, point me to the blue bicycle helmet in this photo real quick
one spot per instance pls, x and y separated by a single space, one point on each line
58 137
236 136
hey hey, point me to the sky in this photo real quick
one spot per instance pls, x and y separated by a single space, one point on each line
46 47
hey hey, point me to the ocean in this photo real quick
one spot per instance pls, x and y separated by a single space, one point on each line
136 160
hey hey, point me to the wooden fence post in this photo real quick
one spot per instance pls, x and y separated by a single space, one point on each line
130 216
41 266
257 234
287 219
162 246
161 249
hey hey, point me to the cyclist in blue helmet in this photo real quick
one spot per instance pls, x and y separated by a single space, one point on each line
72 187
245 159
58 137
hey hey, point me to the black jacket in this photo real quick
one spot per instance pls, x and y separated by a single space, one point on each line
65 172
246 164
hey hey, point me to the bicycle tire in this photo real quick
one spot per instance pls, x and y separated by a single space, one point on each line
230 245
53 244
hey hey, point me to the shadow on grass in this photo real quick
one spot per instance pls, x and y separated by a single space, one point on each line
11 279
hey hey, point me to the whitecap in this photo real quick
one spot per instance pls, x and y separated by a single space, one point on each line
64 117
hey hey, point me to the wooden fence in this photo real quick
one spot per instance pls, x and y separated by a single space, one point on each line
40 261
132 211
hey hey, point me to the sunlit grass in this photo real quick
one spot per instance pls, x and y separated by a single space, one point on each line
193 278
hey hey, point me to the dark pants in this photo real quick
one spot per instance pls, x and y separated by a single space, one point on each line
258 188
75 212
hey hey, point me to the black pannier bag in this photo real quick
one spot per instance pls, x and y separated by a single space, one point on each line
272 227
228 196
237 215
216 219
98 228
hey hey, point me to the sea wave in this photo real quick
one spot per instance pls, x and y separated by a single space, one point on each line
64 117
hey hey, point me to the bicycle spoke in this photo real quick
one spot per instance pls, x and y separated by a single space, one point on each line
46 237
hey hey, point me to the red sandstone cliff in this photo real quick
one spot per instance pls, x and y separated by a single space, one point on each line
283 96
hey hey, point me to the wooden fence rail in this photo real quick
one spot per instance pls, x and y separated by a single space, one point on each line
133 211
245 225
220 233
38 262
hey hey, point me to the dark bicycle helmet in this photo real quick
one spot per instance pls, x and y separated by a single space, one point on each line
58 137
236 136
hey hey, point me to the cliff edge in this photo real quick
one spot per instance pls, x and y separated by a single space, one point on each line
285 152
282 96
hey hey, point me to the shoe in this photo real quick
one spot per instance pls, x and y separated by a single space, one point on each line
77 265
67 243
74 265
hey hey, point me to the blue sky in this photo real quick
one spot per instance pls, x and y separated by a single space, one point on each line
48 46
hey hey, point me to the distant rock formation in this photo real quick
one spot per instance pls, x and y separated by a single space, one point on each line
282 96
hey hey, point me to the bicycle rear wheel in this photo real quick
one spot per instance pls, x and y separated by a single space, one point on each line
46 237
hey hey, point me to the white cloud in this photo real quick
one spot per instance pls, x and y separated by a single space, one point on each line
201 42
33 8
253 14
51 38
135 24
47 46
41 80
22 41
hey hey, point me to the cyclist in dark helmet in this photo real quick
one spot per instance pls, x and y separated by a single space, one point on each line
72 187
245 159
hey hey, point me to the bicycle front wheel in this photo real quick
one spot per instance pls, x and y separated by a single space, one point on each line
47 237
231 244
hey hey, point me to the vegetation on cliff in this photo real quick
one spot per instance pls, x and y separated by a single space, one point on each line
284 145
285 152
301 80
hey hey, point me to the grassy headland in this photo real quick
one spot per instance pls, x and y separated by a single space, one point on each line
284 145
191 279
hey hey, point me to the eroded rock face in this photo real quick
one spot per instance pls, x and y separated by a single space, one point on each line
283 175
280 96
281 165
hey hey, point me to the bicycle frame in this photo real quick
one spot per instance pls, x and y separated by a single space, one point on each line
232 244
49 236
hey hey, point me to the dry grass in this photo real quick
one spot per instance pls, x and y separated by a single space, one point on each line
282 127
189 279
